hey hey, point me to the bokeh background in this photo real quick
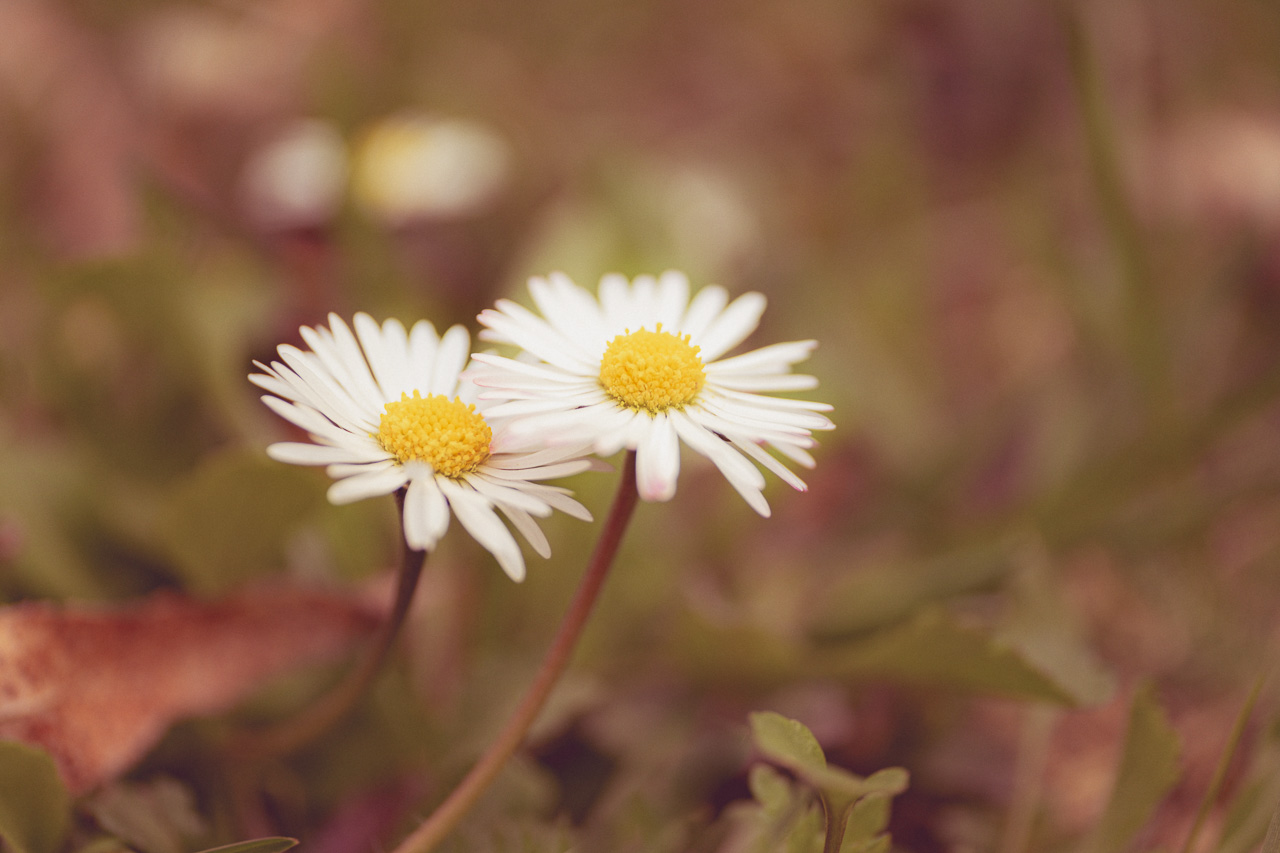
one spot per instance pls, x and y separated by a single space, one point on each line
1039 245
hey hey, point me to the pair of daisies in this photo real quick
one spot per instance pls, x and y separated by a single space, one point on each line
639 367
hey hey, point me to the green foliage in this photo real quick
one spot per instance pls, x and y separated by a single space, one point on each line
1148 769
35 809
934 648
226 523
155 817
856 809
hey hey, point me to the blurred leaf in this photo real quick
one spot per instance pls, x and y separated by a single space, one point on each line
228 522
1148 769
97 687
879 844
869 818
1043 630
35 808
787 742
771 789
879 595
154 817
105 844
792 823
932 649
42 499
258 845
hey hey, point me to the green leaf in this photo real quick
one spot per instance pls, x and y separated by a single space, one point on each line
932 649
771 789
35 808
228 522
841 786
159 816
257 845
1148 769
786 742
882 594
868 819
1045 632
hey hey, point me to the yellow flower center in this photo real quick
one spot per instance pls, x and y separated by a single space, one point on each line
449 435
654 371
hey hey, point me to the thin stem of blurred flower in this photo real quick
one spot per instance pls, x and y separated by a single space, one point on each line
321 715
1224 763
446 817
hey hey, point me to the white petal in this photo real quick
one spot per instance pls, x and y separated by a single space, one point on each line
767 382
741 474
451 357
545 472
315 423
369 333
529 529
672 299
783 403
478 517
748 408
658 461
299 453
569 308
615 300
522 327
342 470
731 327
794 453
365 388
321 390
706 306
324 346
509 368
557 497
524 406
717 416
497 492
424 343
361 486
771 359
758 453
426 514
644 302
537 459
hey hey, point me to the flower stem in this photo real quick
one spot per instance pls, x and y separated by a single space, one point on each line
329 709
447 816
837 822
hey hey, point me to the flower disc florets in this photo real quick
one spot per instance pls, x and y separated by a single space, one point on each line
653 371
448 435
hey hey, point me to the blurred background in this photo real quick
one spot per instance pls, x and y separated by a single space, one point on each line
1039 245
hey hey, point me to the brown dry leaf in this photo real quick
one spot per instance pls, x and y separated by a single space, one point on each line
98 686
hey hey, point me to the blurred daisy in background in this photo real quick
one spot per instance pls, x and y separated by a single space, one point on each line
298 178
641 367
412 166
389 409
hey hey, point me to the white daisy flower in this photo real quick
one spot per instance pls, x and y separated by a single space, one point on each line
389 409
641 368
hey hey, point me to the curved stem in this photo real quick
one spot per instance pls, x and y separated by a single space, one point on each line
329 709
447 816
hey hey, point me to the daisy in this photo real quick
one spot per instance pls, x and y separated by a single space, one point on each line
641 367
389 410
